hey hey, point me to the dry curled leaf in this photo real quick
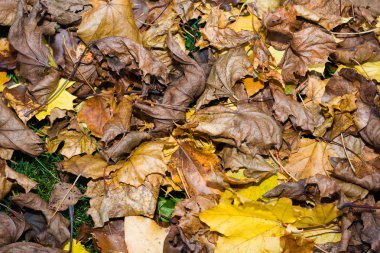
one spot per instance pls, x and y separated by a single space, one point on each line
247 127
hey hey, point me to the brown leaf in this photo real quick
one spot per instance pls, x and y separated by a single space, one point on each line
88 166
222 38
357 49
181 92
369 181
254 166
120 200
108 18
125 145
96 112
281 24
286 108
65 195
57 224
324 12
199 169
247 128
308 46
66 12
13 176
110 237
11 228
187 232
7 12
371 133
119 122
25 36
227 70
123 54
15 135
28 247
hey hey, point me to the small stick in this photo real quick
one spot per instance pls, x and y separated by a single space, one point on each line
345 152
71 213
282 167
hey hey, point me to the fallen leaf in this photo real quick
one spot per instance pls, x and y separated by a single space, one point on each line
222 38
108 18
138 229
63 196
125 54
76 248
308 46
28 247
111 237
227 70
286 108
145 160
57 225
96 112
15 135
75 143
87 166
312 158
11 228
59 98
180 93
119 200
254 131
199 170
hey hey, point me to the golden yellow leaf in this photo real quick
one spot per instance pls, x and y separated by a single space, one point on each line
259 244
3 79
62 100
371 70
252 86
77 247
108 18
242 23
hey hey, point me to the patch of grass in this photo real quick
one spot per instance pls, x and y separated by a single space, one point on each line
191 33
41 169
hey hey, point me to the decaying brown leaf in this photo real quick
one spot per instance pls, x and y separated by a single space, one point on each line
15 135
226 71
246 127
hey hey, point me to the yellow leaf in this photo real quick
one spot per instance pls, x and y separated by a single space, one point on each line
256 192
242 23
63 100
77 247
324 234
252 86
370 70
3 79
277 55
317 216
108 18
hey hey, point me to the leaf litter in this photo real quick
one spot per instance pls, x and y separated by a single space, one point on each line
190 126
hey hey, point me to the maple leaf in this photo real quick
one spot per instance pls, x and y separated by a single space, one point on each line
108 18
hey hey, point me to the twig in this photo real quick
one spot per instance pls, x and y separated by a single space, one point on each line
356 33
282 167
345 152
71 214
365 72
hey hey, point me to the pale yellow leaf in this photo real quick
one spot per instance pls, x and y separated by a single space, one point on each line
143 235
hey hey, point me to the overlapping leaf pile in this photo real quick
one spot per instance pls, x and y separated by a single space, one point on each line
262 118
